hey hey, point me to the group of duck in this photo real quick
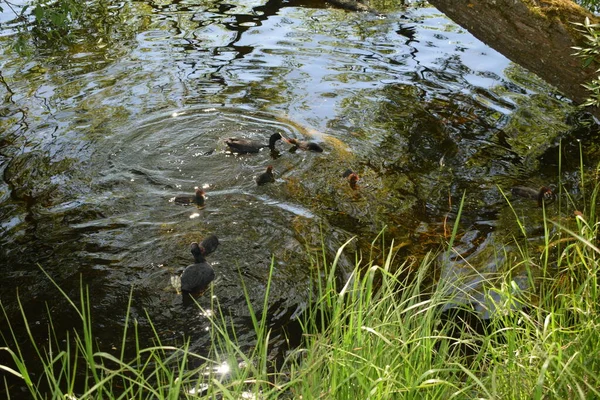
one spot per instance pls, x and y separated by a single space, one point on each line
196 277
247 146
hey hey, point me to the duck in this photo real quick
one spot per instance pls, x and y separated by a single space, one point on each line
352 178
196 277
543 195
209 245
244 146
198 198
303 145
266 177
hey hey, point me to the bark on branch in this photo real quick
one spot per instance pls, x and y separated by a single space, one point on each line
537 34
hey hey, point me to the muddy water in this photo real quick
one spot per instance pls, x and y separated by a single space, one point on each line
99 134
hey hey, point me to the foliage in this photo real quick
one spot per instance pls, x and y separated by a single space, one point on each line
56 24
52 20
590 53
77 367
380 333
592 5
396 342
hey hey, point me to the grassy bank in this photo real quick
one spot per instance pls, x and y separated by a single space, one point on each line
383 333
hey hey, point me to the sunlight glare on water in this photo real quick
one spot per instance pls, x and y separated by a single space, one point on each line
98 136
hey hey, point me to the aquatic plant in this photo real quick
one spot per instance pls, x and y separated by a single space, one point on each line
383 331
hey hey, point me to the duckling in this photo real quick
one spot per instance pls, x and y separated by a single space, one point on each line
209 245
544 195
352 178
197 198
266 176
303 145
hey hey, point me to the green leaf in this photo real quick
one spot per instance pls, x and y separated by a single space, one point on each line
38 12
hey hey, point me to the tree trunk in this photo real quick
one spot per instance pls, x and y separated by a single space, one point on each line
537 34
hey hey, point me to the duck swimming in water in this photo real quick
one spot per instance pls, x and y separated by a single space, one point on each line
209 245
352 178
197 198
266 177
243 146
303 145
543 195
196 277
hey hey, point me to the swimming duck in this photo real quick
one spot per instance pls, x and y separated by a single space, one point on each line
209 245
243 146
303 145
197 198
543 195
266 176
196 277
352 178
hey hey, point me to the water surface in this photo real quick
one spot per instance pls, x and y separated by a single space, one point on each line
98 134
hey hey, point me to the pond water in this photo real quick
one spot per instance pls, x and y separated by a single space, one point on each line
99 133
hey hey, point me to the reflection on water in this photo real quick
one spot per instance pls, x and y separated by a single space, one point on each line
93 145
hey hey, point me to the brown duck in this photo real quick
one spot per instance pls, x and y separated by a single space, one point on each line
543 195
303 145
198 198
352 178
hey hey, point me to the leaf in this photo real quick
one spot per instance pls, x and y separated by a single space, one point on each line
23 10
38 12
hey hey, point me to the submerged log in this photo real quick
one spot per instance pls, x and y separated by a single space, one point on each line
537 34
352 5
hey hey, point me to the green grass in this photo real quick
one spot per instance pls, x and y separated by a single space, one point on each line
379 334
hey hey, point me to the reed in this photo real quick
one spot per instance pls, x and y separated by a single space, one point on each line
382 332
